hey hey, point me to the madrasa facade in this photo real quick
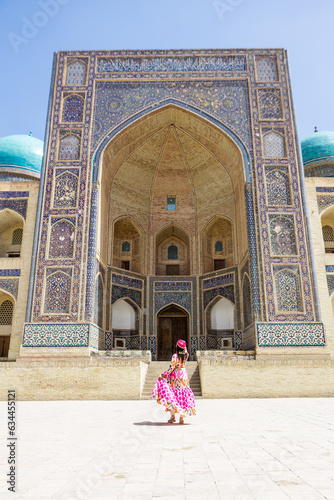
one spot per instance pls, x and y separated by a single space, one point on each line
169 200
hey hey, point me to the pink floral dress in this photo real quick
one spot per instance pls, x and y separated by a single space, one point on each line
173 391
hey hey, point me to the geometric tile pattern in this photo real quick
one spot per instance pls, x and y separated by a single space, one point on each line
238 340
119 292
19 206
62 239
202 343
182 299
287 288
226 291
73 105
108 341
120 279
55 335
324 201
10 272
227 100
330 283
273 145
290 334
96 338
14 194
194 344
161 286
247 301
143 343
152 345
10 285
69 146
57 293
225 279
248 338
329 269
266 69
76 73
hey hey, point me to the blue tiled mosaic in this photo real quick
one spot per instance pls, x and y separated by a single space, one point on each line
55 335
290 334
10 272
10 285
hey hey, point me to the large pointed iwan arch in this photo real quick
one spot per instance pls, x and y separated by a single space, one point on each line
217 148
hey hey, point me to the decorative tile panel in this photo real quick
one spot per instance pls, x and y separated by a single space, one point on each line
10 272
57 293
225 279
14 194
19 206
238 341
76 72
290 334
152 345
62 238
182 299
193 344
73 107
330 283
282 234
287 283
69 145
161 286
10 285
119 292
66 187
270 104
226 291
96 338
278 186
266 69
170 64
55 335
325 201
120 279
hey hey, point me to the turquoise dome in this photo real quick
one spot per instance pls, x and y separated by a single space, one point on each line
318 146
21 154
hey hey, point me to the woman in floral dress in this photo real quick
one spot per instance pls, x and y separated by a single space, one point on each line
172 388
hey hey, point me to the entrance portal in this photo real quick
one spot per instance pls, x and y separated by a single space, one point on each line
172 326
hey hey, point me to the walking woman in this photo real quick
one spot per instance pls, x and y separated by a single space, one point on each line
172 388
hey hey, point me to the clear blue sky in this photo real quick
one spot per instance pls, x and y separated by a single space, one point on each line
303 27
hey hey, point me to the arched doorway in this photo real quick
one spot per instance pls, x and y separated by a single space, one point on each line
172 326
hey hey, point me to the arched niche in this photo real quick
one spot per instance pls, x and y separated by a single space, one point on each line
11 231
327 223
127 245
7 305
171 152
217 245
220 320
172 245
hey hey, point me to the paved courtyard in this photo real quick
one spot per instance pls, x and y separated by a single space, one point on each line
268 449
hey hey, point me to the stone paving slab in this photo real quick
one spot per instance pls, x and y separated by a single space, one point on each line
263 449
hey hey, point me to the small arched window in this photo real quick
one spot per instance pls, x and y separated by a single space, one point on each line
125 246
328 233
273 145
6 312
76 73
17 237
218 246
172 252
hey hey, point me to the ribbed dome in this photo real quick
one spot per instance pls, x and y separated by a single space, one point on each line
317 146
21 154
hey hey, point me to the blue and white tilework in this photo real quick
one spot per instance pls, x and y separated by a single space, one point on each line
290 334
55 335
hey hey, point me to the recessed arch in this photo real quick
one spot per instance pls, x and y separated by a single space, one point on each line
10 223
